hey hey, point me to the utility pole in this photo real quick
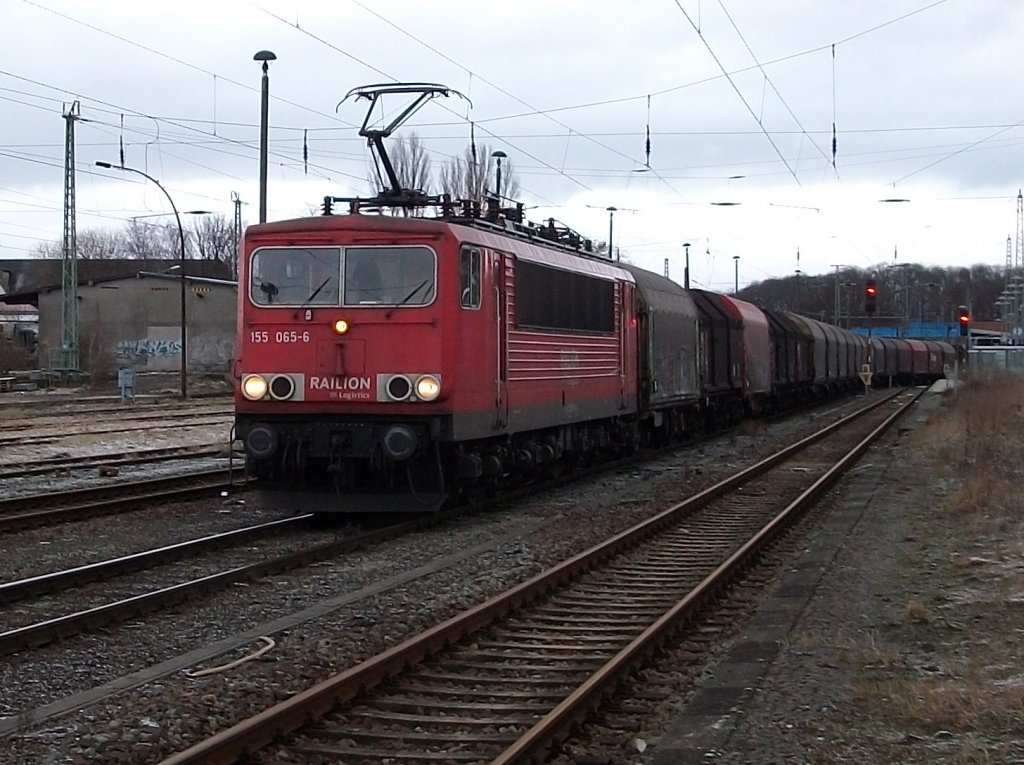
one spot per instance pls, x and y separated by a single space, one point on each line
835 313
1019 261
611 229
686 270
238 231
69 270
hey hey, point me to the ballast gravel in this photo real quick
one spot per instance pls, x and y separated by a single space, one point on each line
149 722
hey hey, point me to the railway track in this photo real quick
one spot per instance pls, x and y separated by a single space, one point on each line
123 413
508 679
29 511
38 435
111 459
61 626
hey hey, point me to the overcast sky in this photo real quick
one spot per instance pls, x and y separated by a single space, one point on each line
739 97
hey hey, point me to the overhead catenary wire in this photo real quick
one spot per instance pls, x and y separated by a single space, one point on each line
509 94
775 90
738 92
381 72
322 169
712 78
949 156
177 60
215 75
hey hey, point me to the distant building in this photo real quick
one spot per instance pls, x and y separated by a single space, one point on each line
131 318
19 324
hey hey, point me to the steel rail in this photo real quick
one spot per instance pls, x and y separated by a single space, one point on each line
98 499
34 635
40 422
260 730
113 459
590 694
183 421
125 564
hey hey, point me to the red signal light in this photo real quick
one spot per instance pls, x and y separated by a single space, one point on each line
870 293
965 317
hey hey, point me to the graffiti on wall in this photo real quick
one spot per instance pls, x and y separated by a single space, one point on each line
133 350
212 351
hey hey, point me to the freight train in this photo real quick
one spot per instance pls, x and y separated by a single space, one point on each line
394 361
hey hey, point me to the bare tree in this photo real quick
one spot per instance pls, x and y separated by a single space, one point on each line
140 240
213 238
474 175
464 176
156 241
412 163
90 243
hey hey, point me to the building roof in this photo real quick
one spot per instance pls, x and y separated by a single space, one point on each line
19 310
23 279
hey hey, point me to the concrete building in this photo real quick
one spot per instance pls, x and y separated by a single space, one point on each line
133 320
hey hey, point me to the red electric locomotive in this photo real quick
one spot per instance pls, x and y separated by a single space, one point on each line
389 360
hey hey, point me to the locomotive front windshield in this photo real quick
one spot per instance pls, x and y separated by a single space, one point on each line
352 276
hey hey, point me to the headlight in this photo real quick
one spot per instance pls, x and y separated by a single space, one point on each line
254 387
398 388
340 326
428 388
281 387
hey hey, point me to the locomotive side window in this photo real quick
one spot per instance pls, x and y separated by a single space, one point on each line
290 276
389 276
469 277
549 298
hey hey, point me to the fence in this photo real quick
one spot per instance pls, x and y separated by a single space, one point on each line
991 359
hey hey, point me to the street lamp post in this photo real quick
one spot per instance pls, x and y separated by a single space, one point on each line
611 229
499 155
686 269
266 57
181 235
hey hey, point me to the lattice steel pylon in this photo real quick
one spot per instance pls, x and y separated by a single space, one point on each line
237 200
68 361
1019 260
1009 259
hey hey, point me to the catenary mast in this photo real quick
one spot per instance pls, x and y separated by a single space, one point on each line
69 272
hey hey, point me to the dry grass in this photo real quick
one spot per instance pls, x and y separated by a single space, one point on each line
961 704
915 612
979 438
943 681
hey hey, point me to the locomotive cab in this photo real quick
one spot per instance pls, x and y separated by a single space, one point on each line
342 382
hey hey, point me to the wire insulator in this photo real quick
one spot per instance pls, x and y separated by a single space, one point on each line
647 145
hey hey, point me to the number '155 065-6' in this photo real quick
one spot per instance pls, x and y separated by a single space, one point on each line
281 336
